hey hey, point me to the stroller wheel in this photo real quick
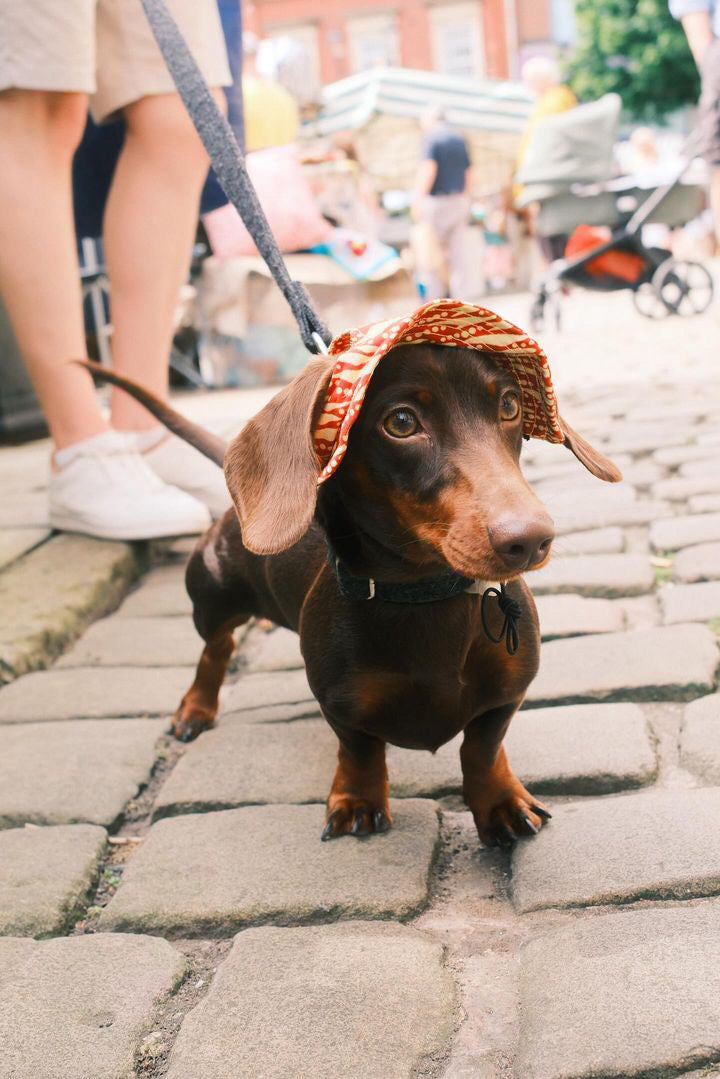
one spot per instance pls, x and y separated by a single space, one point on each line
684 288
648 302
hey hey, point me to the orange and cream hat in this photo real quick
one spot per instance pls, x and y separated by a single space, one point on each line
441 322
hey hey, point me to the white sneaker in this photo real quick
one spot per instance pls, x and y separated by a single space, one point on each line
107 490
176 462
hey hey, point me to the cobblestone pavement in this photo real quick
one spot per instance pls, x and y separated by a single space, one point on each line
169 911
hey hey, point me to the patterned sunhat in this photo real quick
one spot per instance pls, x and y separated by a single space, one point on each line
441 322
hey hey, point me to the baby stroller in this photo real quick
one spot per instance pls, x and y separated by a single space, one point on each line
567 173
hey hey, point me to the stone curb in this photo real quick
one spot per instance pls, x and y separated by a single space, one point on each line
49 596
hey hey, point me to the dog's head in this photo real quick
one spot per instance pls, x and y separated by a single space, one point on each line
431 470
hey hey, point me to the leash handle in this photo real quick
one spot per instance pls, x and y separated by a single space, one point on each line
227 159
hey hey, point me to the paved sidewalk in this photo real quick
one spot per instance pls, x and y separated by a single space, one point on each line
169 911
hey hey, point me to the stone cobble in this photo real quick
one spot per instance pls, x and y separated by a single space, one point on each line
266 689
292 1015
163 594
654 844
700 744
685 531
704 504
577 518
278 650
679 488
599 575
136 642
620 995
212 871
76 770
75 1007
668 662
573 615
690 602
94 693
699 563
596 541
45 877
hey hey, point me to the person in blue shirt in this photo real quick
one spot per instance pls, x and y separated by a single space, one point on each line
442 205
701 23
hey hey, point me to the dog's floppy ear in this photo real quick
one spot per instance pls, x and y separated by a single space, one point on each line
594 461
271 467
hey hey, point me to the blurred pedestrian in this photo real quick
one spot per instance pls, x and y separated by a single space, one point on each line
701 23
121 481
272 117
441 206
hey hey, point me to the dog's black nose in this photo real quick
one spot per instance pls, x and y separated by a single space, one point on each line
522 542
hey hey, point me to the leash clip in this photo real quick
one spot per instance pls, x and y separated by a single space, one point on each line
321 346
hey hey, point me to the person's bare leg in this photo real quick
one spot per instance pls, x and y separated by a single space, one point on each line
39 277
150 221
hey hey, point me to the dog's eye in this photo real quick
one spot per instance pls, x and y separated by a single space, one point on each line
510 406
401 423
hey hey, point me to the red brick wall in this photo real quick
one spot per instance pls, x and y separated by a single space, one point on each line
533 20
329 16
496 58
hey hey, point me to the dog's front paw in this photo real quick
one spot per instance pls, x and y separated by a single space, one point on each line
354 816
191 720
517 814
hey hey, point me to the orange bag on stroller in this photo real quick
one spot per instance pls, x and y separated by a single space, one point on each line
620 265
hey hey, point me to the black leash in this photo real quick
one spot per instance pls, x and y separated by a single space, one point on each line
227 159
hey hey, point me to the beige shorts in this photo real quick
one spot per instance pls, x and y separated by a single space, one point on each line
103 48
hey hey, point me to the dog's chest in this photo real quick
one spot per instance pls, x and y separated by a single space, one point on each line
416 683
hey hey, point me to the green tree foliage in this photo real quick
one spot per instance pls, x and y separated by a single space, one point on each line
636 49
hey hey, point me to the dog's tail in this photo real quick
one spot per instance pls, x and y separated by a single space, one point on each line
204 441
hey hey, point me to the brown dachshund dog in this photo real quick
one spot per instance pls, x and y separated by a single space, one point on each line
430 490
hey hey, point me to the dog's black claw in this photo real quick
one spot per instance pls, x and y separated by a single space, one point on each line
506 836
530 824
186 736
327 832
380 821
361 826
544 813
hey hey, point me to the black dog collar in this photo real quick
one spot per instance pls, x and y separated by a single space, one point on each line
430 590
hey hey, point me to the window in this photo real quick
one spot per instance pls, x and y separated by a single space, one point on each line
373 41
457 43
304 65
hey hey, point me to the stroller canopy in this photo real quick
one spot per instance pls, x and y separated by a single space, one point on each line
573 147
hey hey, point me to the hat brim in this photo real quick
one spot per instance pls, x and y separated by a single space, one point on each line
441 322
